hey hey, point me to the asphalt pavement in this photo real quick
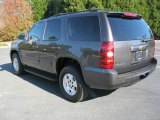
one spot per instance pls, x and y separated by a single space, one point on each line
29 97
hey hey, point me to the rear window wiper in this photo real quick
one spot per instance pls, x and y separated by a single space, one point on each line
145 40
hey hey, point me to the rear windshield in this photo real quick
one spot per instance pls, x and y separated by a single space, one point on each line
129 29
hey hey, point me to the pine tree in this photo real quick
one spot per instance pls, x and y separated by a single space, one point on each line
111 5
38 8
54 7
154 16
72 5
93 4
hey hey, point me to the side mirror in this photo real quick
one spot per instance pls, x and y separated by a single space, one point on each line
21 36
33 38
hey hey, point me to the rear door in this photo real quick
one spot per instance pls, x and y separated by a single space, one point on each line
82 39
133 42
50 46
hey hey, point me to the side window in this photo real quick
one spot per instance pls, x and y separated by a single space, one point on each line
84 28
36 32
53 30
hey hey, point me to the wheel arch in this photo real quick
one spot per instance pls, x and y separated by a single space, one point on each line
17 52
12 52
64 61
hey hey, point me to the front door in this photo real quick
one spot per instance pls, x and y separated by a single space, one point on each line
29 47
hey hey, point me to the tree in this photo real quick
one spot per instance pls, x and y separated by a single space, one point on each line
154 16
38 8
112 5
72 5
54 7
93 4
16 19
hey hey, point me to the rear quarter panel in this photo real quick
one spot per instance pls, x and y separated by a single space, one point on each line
85 52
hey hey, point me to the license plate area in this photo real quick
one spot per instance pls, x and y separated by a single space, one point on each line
139 56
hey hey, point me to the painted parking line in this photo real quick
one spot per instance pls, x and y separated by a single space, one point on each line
158 67
4 47
156 55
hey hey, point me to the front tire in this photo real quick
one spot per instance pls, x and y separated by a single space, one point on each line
17 65
72 85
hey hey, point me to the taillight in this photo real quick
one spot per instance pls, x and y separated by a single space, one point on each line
154 48
107 55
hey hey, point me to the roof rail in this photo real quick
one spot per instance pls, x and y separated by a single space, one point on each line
87 10
98 9
60 14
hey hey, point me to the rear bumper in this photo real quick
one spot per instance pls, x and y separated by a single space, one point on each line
110 79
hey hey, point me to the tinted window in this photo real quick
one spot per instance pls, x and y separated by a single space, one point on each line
37 31
129 29
21 36
84 28
53 30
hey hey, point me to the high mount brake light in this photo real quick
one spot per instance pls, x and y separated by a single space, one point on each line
125 15
130 15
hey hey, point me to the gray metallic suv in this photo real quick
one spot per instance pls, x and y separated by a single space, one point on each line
89 49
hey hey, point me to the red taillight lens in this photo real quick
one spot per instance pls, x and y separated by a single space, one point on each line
107 55
154 48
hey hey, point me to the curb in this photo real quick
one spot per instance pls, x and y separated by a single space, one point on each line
3 47
8 45
157 42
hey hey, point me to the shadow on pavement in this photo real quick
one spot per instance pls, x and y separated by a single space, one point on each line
52 87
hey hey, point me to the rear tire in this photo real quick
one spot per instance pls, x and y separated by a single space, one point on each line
72 85
17 65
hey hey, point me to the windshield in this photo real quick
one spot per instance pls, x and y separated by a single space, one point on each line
129 29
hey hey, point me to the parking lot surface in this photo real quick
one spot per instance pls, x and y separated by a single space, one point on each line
29 97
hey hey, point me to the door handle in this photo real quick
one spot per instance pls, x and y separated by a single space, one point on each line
35 46
30 42
56 47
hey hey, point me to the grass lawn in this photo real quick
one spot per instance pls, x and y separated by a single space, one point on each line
2 44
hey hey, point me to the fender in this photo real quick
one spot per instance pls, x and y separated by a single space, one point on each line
15 47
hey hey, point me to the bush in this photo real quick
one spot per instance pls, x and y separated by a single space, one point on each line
16 19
